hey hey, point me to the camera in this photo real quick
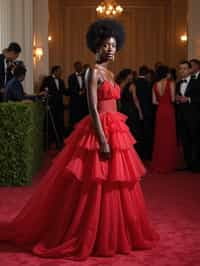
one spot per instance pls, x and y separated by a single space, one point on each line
18 62
46 99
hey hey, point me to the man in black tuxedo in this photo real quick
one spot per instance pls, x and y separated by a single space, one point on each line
188 115
77 93
55 89
196 69
7 65
144 94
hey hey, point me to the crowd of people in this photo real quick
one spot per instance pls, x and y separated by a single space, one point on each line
163 110
12 74
92 188
162 106
52 90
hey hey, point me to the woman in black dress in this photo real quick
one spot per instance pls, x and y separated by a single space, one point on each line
129 104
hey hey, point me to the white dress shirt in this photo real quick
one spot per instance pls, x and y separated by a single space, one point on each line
197 74
56 81
80 80
184 85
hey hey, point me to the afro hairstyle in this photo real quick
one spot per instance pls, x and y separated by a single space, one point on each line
103 29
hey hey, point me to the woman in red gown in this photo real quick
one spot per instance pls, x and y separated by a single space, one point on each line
90 201
165 149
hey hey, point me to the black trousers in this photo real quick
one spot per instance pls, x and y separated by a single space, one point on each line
147 138
189 129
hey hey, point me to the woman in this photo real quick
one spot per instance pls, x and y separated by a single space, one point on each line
129 104
165 151
90 202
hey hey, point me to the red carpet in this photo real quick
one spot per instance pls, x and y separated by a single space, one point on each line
174 207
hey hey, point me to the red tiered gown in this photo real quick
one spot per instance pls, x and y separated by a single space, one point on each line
85 206
165 150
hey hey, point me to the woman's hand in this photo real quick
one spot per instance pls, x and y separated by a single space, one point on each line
105 152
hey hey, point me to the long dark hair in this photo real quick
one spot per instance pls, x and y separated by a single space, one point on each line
123 74
162 72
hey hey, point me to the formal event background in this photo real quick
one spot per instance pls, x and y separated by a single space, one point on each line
153 31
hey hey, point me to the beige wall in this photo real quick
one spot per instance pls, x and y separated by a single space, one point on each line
40 40
153 32
194 29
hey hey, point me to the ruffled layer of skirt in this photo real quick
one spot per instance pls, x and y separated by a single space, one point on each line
82 149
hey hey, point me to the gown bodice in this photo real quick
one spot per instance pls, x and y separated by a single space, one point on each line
107 95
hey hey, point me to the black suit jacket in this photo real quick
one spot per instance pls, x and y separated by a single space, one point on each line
189 110
74 87
198 78
192 90
55 94
9 74
2 71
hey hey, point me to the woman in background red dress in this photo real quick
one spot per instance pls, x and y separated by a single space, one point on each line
165 148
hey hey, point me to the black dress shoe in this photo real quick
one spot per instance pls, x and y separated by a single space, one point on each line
195 169
183 169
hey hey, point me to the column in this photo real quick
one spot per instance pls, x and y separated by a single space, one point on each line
22 32
5 23
16 25
40 39
193 29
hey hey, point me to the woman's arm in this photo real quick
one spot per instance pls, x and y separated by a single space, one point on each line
132 90
91 80
154 100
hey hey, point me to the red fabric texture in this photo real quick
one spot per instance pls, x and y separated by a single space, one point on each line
85 206
177 218
166 154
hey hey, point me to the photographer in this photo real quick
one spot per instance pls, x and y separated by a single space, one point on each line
54 86
7 65
14 90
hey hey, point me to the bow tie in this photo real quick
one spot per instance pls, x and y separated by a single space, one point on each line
184 81
8 62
